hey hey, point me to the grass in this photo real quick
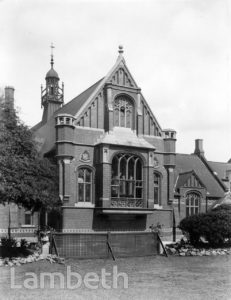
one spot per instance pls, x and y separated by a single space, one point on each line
149 278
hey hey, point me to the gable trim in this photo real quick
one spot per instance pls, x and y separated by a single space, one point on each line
189 173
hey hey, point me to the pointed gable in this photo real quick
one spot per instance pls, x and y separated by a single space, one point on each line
122 76
189 180
186 162
95 111
93 108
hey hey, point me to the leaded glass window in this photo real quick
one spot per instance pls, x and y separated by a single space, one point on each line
127 176
123 112
84 179
192 204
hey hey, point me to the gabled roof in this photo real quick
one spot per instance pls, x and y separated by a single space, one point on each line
99 87
71 107
189 162
79 104
183 178
75 104
120 63
220 168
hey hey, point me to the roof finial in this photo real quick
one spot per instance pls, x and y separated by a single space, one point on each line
52 59
121 50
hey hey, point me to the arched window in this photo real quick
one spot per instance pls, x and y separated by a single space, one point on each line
127 177
123 112
84 184
157 189
192 204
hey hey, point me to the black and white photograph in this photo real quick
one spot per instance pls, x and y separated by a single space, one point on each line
115 149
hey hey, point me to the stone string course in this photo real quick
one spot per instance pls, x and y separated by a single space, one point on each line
188 250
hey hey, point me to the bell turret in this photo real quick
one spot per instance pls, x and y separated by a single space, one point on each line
52 95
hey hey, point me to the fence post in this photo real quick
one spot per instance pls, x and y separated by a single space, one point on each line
51 242
173 225
165 252
108 244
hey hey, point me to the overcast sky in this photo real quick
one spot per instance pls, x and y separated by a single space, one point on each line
178 51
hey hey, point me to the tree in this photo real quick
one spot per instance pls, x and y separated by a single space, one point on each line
25 178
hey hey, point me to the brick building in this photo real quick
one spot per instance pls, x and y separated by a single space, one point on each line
118 169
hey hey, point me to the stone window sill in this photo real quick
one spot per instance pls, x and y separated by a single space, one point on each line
84 204
157 206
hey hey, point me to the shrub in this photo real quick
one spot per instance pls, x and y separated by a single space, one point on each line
8 242
8 247
24 244
222 207
11 248
190 227
214 226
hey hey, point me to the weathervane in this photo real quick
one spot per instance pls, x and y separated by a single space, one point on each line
52 60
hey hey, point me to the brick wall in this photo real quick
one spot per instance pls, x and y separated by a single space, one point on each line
77 218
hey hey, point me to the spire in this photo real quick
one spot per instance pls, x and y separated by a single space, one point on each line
52 94
52 56
52 73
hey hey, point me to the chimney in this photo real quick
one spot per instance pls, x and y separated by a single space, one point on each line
9 95
199 147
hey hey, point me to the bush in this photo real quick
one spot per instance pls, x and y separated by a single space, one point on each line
11 248
8 242
8 247
214 226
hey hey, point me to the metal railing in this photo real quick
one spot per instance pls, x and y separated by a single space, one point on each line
127 202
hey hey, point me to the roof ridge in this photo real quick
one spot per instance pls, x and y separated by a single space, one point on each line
219 162
104 80
187 172
210 168
188 154
97 82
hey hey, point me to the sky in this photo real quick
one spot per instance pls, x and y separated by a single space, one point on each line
178 51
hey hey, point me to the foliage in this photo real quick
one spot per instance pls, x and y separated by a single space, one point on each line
191 227
43 231
11 248
24 244
222 207
8 242
25 178
214 226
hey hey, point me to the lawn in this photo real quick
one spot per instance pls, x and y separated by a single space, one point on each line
158 277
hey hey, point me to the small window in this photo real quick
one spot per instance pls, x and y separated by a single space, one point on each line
123 112
28 218
157 189
84 185
192 204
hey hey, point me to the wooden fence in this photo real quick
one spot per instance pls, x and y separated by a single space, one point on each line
105 245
